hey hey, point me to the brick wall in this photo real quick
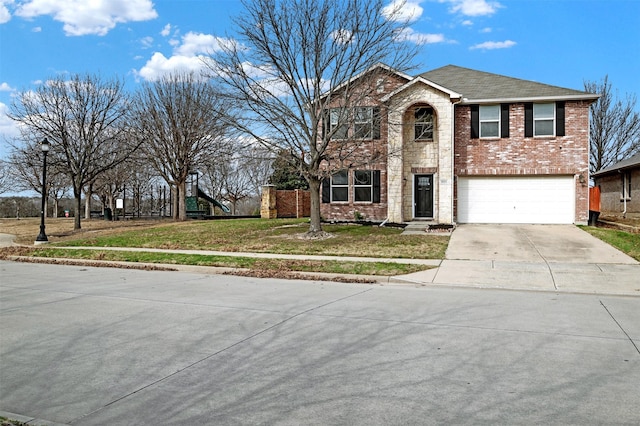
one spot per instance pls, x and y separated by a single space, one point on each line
363 154
293 203
370 211
611 190
520 155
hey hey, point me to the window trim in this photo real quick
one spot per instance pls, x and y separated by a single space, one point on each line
356 185
416 123
348 128
498 121
337 130
626 186
340 186
369 122
539 119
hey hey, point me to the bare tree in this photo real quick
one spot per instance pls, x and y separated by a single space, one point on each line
111 183
85 119
26 163
614 133
295 60
5 177
180 128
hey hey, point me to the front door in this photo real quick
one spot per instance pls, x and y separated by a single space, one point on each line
423 197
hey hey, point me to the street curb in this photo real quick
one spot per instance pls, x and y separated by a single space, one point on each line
30 420
218 270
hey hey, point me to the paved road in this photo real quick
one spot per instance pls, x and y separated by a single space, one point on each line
87 346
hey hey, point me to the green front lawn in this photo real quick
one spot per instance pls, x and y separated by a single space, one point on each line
626 242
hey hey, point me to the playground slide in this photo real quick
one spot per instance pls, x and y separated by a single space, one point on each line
212 201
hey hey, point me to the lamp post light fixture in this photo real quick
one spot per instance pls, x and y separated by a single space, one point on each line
42 237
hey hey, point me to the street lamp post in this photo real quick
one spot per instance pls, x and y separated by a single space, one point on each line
42 237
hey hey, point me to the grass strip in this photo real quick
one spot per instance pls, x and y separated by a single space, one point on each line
280 265
626 242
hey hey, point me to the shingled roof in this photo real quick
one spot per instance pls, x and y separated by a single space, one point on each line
479 86
629 163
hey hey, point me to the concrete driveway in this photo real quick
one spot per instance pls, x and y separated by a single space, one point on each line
531 243
533 257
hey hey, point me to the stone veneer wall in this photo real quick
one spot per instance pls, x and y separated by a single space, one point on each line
408 157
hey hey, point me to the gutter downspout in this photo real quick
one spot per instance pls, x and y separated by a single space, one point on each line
453 154
624 194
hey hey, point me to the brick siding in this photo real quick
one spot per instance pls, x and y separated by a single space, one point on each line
519 155
611 193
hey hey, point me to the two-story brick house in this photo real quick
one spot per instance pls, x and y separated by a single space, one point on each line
466 146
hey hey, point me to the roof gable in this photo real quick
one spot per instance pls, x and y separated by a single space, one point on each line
452 94
379 67
479 86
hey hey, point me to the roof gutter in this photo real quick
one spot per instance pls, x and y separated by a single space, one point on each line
586 97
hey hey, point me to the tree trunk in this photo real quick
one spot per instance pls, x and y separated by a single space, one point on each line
174 201
87 201
314 190
181 190
77 193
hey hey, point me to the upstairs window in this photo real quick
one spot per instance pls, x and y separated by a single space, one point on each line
356 123
363 123
489 121
544 116
546 119
423 127
338 123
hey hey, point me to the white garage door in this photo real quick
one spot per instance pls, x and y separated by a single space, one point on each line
516 199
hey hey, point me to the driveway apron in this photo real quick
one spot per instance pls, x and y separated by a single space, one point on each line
534 257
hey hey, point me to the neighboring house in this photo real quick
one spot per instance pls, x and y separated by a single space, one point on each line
620 187
460 145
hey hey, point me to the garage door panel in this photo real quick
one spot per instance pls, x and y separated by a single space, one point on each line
516 199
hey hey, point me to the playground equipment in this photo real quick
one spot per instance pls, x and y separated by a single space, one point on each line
193 209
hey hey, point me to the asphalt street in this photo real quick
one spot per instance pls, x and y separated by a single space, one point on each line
96 346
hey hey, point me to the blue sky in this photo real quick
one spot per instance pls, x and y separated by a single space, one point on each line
561 42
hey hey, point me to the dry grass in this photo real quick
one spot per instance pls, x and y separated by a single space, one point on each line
241 235
61 229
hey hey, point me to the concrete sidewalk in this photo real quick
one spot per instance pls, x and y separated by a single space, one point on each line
559 258
590 278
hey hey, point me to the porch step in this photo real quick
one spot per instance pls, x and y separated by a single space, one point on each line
422 228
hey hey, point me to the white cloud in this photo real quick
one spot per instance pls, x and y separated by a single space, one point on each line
195 43
490 45
4 87
474 7
405 11
9 129
159 66
82 17
5 15
342 36
486 30
467 23
166 30
188 56
420 38
146 42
